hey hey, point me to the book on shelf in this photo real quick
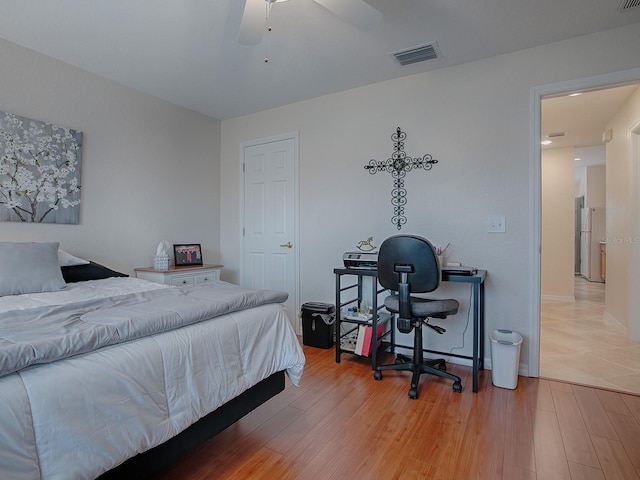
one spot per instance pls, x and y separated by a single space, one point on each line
360 340
365 331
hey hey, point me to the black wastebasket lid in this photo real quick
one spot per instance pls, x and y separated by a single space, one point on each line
319 306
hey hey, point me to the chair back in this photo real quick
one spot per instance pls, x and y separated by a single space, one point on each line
413 251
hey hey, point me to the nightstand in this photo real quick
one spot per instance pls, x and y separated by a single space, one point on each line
188 275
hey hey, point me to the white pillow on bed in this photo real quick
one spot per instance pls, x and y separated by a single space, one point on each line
29 268
67 260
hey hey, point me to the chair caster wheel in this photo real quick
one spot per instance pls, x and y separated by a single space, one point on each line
413 393
442 367
377 375
457 387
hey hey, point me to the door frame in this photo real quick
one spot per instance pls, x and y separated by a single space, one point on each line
296 212
634 230
535 188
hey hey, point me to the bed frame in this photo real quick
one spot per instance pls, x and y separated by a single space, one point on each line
154 461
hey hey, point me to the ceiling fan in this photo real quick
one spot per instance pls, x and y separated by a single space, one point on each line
356 12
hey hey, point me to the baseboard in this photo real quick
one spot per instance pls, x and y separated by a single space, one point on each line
597 280
449 358
614 321
523 368
558 298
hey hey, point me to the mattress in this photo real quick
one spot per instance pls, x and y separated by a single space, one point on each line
80 416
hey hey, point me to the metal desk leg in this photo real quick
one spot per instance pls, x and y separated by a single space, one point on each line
481 293
337 322
476 333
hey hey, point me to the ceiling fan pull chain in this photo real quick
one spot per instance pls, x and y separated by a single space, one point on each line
268 29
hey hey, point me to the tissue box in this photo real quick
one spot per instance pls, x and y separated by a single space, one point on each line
161 262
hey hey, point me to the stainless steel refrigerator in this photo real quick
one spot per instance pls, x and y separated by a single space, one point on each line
592 232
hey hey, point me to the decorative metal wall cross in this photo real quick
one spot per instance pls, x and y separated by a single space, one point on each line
398 165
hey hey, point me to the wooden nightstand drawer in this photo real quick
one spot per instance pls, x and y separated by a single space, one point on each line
182 280
208 277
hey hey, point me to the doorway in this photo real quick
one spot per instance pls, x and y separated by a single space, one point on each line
570 320
270 234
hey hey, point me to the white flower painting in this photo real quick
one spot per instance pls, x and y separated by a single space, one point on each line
39 171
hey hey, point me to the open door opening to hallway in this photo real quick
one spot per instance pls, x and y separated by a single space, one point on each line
581 339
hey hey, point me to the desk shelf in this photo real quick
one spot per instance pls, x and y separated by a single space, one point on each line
355 296
350 330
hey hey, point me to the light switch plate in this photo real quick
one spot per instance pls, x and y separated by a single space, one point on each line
496 224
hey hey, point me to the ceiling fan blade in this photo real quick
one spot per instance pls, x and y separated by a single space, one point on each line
252 26
356 12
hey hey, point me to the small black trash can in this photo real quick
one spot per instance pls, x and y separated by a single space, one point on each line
317 324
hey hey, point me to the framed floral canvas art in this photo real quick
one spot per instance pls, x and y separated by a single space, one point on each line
39 171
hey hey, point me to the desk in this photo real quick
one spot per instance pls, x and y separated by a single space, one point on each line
477 284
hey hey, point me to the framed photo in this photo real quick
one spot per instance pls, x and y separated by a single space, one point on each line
187 254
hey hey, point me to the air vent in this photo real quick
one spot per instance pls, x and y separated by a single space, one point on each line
421 53
556 134
626 5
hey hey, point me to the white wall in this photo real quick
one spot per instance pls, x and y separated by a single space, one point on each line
596 186
558 229
475 119
150 170
588 156
622 241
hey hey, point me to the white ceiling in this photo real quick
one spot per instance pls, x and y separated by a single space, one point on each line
581 118
186 51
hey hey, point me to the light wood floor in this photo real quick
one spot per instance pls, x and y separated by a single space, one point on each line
342 424
578 345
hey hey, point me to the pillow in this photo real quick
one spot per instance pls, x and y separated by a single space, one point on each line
29 268
90 271
66 259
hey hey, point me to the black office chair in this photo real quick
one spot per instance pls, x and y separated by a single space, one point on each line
408 264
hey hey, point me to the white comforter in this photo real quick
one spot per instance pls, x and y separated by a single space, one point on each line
79 292
81 416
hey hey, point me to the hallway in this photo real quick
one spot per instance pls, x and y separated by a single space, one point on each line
578 346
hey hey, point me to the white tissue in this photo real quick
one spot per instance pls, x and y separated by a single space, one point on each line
163 248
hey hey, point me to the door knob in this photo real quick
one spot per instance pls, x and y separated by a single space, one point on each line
288 245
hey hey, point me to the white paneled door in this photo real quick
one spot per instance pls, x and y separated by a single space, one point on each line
270 237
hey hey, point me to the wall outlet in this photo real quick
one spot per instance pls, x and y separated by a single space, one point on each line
496 224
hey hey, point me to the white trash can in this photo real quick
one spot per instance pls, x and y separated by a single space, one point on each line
505 358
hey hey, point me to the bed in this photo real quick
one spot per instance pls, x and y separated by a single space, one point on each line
103 371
